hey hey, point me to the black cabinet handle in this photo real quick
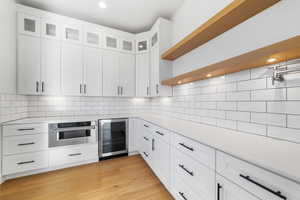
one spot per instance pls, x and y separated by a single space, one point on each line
25 144
187 147
278 193
146 126
182 195
75 154
160 133
145 154
26 162
145 138
26 129
219 192
186 170
153 147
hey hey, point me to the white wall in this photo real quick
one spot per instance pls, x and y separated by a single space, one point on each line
275 24
7 46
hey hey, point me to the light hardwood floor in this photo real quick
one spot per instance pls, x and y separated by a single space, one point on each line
127 178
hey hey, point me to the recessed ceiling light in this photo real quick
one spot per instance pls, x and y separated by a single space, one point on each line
179 82
102 4
208 75
272 60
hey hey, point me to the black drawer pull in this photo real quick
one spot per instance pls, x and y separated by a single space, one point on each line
26 129
146 126
75 154
278 193
219 192
25 144
26 162
160 133
187 147
145 138
145 154
186 170
182 195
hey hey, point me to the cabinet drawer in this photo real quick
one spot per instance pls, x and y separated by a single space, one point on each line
256 180
25 162
181 191
199 152
230 191
25 143
196 176
25 129
73 155
161 133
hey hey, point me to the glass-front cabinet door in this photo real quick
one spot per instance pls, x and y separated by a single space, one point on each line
51 29
127 46
142 46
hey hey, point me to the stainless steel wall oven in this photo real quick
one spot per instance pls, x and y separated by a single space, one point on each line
71 133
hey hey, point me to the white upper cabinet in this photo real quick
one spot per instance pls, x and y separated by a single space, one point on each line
143 75
127 75
127 46
111 42
92 36
160 69
28 24
50 70
92 72
110 73
72 69
29 65
72 31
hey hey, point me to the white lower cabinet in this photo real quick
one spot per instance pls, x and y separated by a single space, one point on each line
261 183
25 162
199 178
25 144
230 191
72 154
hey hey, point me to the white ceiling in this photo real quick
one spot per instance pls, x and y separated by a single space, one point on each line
129 15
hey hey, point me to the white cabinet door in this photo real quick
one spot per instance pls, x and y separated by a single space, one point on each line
72 31
229 191
29 65
154 81
92 36
72 69
127 46
143 75
142 46
111 42
127 75
50 71
92 72
161 157
110 73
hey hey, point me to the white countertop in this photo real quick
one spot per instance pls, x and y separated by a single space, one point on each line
281 157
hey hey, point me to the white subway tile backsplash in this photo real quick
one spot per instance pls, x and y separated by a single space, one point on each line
293 121
270 119
226 105
288 107
261 72
293 93
252 128
269 95
252 84
292 135
251 106
228 87
238 96
238 116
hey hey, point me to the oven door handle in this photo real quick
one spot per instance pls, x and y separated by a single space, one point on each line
75 128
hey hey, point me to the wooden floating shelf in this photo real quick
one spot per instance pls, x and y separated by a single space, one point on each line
235 13
279 52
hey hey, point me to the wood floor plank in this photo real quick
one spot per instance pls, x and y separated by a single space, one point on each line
127 178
